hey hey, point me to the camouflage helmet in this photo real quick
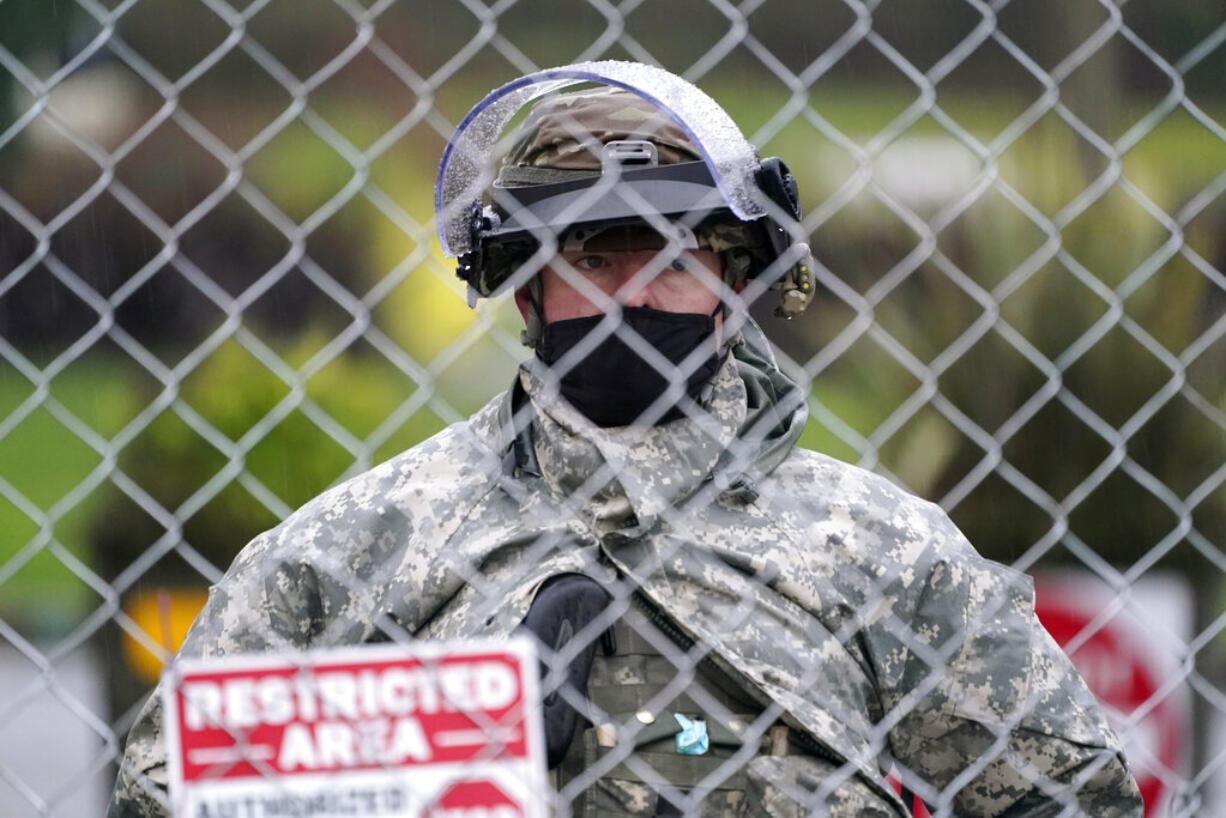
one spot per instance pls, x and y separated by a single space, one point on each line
606 169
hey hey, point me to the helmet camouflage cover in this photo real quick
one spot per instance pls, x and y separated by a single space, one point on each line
564 136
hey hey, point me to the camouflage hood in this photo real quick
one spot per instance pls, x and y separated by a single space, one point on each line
632 475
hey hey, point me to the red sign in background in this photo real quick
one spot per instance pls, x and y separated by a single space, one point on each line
1120 665
1119 662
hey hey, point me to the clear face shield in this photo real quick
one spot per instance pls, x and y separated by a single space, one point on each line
466 171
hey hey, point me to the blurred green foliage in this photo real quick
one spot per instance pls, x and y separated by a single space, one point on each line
999 384
253 428
255 431
236 444
48 466
246 425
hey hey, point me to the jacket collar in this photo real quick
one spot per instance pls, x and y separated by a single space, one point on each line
624 478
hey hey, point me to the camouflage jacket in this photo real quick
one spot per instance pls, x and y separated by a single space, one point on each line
860 611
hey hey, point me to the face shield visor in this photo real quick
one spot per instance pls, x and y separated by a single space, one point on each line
466 170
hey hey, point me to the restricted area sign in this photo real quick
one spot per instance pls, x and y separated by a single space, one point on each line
430 730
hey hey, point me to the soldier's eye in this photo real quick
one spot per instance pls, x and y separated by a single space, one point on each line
591 262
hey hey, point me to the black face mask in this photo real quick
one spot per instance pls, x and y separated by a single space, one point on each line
612 385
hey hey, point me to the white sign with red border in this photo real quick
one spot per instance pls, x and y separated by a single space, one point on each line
425 730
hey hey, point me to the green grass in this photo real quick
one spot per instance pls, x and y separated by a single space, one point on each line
44 462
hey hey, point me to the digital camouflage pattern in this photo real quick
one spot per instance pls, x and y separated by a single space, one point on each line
857 612
564 135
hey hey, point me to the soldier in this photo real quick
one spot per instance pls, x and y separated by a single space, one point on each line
734 625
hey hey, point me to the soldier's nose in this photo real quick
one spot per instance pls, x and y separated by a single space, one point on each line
634 290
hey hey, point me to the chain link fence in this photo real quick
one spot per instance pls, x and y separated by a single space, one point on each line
221 292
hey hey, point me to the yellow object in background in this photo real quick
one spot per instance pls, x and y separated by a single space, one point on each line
164 614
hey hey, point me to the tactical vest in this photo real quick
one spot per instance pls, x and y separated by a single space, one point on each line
637 693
